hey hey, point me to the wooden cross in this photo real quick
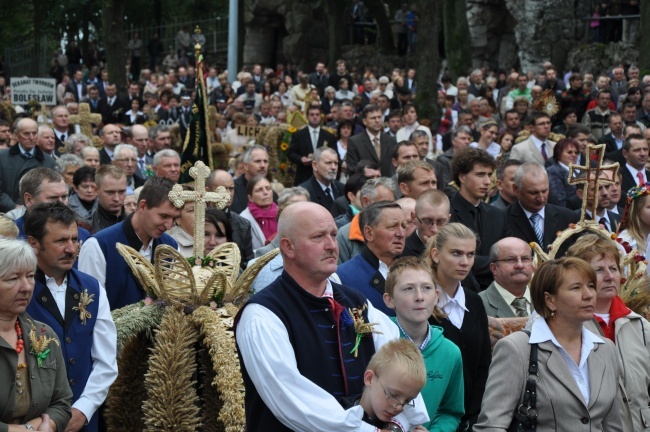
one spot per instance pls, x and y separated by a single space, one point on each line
85 119
199 172
591 183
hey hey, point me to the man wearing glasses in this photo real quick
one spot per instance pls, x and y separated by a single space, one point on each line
126 157
431 213
537 148
512 266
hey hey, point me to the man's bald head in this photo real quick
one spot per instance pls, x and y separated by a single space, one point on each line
222 178
307 234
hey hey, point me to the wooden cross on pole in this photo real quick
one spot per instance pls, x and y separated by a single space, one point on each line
590 184
199 172
85 119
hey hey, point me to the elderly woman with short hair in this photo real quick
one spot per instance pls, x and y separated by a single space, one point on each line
35 394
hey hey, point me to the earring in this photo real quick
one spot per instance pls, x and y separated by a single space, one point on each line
552 314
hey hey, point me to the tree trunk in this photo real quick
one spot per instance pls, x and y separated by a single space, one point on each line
38 35
114 43
428 65
384 30
644 48
335 11
457 45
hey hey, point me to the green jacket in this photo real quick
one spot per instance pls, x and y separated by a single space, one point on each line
50 390
443 392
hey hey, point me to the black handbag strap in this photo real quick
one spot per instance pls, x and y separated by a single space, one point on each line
528 407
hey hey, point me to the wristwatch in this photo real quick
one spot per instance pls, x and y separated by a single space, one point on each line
28 426
392 427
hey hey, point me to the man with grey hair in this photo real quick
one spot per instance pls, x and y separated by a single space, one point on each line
322 186
167 163
241 228
126 157
256 162
19 159
61 125
383 225
475 82
46 142
292 373
511 262
530 217
139 138
350 237
159 139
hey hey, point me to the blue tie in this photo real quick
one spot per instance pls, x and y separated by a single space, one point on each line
534 219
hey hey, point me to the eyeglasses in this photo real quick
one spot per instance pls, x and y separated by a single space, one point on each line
515 260
426 222
394 402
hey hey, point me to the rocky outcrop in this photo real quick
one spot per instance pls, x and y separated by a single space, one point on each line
492 36
545 30
599 58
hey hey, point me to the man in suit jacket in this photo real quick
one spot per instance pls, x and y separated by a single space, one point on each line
512 266
383 225
604 217
110 138
635 152
505 181
372 144
431 213
77 86
531 218
472 169
318 78
537 148
614 139
305 142
111 107
256 162
322 186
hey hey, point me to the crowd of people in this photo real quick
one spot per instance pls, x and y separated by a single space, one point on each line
390 229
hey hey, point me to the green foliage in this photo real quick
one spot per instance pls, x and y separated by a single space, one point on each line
457 45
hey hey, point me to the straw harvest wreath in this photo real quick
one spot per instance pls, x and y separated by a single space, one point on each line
177 359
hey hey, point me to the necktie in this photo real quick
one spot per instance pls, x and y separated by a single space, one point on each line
520 307
375 143
314 139
639 175
544 155
141 165
534 219
604 223
328 201
27 155
62 137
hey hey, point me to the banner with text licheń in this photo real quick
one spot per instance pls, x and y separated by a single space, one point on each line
41 90
197 141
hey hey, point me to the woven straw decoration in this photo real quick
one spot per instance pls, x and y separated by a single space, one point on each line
243 285
142 269
174 276
229 259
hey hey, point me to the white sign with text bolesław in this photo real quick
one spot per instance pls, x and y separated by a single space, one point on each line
41 90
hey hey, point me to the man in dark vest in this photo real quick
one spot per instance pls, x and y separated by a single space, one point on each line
296 338
75 306
143 230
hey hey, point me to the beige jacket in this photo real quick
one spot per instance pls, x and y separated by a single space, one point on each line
632 334
560 405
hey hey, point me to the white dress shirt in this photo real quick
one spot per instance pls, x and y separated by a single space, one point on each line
454 306
540 332
634 172
296 401
540 221
103 352
493 149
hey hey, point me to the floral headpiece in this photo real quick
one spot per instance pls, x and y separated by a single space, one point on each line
637 192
